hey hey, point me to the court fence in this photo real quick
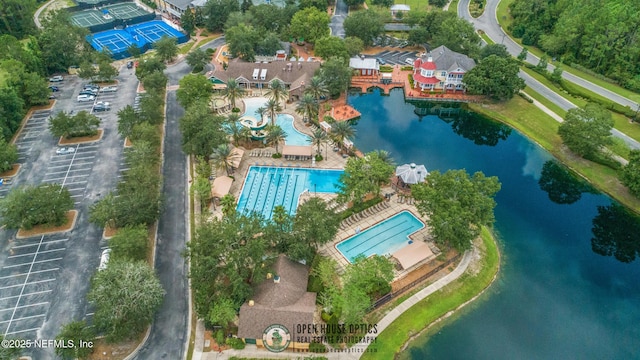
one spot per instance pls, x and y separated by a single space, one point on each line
116 20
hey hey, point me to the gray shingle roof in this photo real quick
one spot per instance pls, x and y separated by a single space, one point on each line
277 69
181 4
450 60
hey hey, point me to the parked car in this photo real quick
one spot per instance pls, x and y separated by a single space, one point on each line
91 87
409 61
54 88
104 259
56 78
51 97
108 89
381 61
88 92
102 106
129 64
85 97
65 150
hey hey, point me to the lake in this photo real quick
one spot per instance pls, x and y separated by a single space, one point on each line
569 286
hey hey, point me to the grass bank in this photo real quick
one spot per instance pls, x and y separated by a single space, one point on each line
541 128
505 20
620 121
451 297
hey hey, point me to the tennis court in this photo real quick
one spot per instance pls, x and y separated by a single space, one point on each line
152 31
143 35
126 11
90 18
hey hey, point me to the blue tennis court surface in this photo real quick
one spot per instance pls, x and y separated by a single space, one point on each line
143 35
267 187
384 238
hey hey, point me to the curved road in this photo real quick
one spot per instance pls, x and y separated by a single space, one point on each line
488 23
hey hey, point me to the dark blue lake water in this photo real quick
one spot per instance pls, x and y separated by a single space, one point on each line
563 291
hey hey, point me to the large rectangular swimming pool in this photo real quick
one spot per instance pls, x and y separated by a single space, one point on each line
384 238
267 187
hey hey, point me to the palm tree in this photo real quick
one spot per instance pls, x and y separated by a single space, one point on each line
308 106
275 134
235 129
318 138
222 157
342 130
272 108
385 156
233 91
277 91
261 111
317 88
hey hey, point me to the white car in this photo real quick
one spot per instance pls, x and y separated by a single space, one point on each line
56 78
409 61
65 150
108 89
104 259
86 97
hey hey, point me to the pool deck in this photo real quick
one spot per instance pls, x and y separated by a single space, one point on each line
394 208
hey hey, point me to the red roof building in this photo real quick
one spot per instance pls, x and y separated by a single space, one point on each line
441 69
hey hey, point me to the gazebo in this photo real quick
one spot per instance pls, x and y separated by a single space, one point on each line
409 174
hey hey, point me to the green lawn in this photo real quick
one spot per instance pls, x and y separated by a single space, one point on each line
621 122
390 341
453 6
541 128
485 37
546 102
505 21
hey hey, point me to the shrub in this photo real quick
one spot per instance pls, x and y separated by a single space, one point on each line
386 69
210 51
407 68
411 80
319 157
276 156
325 316
235 343
235 110
524 96
198 68
219 337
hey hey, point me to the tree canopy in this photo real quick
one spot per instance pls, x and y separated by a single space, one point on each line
363 176
310 24
456 205
194 88
365 25
29 206
336 76
8 155
599 35
126 296
331 46
586 130
201 130
631 173
166 48
81 124
496 77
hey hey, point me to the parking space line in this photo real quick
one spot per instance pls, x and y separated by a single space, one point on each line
31 283
27 294
34 262
79 195
21 331
23 286
33 272
25 318
34 244
41 252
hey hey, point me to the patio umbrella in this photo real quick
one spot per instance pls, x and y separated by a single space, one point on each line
411 173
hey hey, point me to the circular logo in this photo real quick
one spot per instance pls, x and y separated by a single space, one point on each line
276 338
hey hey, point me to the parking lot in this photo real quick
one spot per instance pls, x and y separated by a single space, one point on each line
44 279
393 57
27 281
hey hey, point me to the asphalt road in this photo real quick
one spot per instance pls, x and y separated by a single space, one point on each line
169 330
488 23
337 20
